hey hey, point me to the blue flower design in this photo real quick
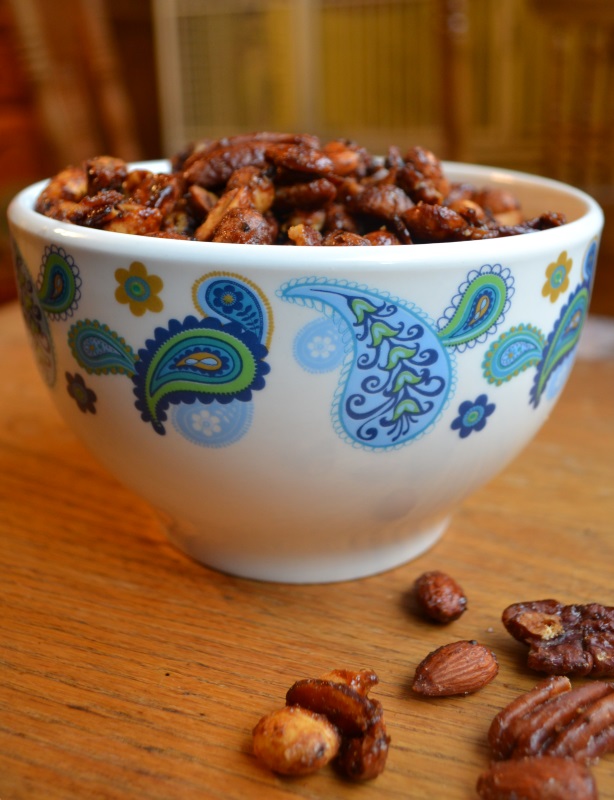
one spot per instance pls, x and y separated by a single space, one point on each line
228 297
472 416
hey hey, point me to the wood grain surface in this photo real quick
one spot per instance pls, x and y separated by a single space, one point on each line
130 671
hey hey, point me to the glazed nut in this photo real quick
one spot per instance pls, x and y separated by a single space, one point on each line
243 226
363 758
502 205
537 778
324 719
502 733
536 733
362 680
564 639
555 719
458 668
337 189
344 706
304 235
344 239
591 734
439 596
234 198
295 741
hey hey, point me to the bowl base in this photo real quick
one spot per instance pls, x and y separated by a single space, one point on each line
326 568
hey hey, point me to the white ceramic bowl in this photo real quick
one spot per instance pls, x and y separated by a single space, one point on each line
307 414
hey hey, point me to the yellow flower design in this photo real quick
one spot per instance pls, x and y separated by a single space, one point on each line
557 277
138 289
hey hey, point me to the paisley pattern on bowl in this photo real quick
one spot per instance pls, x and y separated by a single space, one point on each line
397 366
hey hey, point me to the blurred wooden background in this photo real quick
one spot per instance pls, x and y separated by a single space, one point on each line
524 84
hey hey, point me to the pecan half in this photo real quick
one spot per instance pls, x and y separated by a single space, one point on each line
537 778
538 730
556 719
456 668
591 734
502 732
564 639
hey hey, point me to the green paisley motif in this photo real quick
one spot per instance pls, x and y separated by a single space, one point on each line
480 306
58 283
197 359
514 351
100 350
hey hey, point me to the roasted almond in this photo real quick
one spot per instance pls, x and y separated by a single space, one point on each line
537 778
457 668
439 596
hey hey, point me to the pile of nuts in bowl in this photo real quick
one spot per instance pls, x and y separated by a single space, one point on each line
277 188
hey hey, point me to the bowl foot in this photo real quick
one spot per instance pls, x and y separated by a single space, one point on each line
331 567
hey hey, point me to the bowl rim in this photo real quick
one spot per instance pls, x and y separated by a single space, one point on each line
21 215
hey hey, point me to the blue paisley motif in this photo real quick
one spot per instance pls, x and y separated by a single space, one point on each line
59 283
514 351
231 298
35 320
197 359
397 377
562 340
100 350
478 308
590 260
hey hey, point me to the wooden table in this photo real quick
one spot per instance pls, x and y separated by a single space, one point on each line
129 671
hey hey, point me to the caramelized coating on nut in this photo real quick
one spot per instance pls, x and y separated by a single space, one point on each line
539 729
422 177
317 193
439 596
349 710
591 734
556 719
292 741
305 235
564 639
502 731
457 668
348 157
363 758
381 238
295 741
537 778
337 188
362 681
345 239
499 204
243 226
